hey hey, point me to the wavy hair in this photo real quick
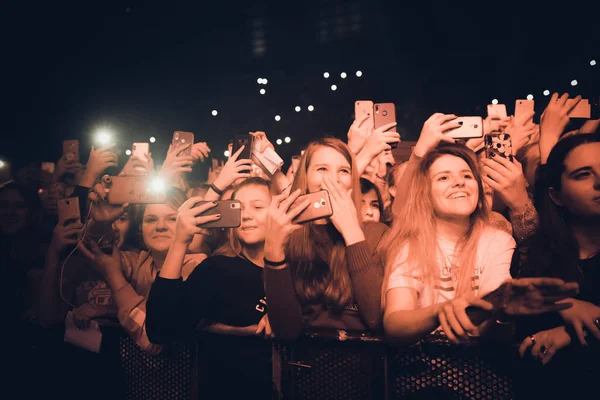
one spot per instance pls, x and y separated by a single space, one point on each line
415 226
321 275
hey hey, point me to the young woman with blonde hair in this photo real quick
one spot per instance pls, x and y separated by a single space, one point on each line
325 273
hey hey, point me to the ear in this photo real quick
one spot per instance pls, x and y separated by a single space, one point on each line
392 190
555 196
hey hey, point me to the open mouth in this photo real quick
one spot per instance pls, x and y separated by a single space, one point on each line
249 228
458 195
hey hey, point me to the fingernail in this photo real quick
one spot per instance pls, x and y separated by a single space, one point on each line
493 155
218 215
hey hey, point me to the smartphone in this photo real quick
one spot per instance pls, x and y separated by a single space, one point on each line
140 150
71 150
496 110
523 107
499 144
68 210
239 141
182 138
319 207
470 127
583 109
134 189
364 109
231 214
385 113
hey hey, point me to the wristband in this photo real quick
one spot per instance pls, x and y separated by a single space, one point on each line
216 189
275 264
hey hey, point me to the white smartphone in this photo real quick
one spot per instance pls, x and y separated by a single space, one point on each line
364 109
140 150
470 127
523 107
496 110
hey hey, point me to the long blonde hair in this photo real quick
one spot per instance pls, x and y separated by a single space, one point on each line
415 227
320 277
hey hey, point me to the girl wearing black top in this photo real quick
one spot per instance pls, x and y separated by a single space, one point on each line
227 289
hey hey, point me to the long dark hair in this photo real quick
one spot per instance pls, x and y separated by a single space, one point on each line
553 250
365 187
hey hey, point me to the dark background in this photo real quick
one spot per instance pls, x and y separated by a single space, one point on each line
148 68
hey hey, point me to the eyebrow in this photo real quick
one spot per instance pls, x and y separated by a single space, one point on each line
449 172
327 165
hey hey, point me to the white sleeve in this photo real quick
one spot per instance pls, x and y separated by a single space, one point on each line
403 275
495 256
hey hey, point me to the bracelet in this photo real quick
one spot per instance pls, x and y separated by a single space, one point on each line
216 189
275 264
121 288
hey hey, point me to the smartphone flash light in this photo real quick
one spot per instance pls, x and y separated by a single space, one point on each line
103 137
2 164
157 185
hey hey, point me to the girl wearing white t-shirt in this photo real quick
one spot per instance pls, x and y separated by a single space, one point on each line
441 254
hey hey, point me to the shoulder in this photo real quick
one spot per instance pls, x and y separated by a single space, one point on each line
376 229
497 239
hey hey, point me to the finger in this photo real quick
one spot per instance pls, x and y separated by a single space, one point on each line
205 219
492 173
285 204
592 328
386 127
446 327
491 183
235 155
189 203
86 252
447 139
525 344
181 148
563 99
293 213
576 101
70 241
332 188
261 326
277 199
202 208
105 148
535 350
579 332
548 356
93 197
445 118
453 321
449 126
243 162
464 321
554 98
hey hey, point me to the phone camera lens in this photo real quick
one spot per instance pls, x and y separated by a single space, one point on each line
475 126
323 203
384 113
176 135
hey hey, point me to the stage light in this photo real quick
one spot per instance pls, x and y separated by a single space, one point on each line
226 153
574 82
343 75
265 81
259 81
128 152
2 164
298 108
333 87
277 118
311 108
359 73
593 62
326 75
157 185
546 92
214 113
103 137
278 141
529 97
494 101
262 91
152 139
287 139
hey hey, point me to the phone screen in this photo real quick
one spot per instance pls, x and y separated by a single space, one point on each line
238 142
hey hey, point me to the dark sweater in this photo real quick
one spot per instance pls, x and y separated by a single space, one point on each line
228 290
288 317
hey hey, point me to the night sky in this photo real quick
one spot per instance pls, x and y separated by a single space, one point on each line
149 68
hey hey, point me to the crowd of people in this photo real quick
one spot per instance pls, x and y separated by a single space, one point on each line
454 241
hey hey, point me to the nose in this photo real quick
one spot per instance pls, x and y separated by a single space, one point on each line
459 181
246 215
161 226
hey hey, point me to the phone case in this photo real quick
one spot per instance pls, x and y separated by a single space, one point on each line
242 140
133 190
140 150
523 107
500 144
319 207
362 109
383 114
71 150
183 138
496 110
231 214
68 210
471 127
583 109
269 160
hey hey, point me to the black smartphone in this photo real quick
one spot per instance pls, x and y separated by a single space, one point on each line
242 140
231 214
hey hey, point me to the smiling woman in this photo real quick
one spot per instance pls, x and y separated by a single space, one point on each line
445 209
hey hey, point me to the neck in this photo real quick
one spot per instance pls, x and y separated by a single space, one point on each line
587 235
452 229
256 254
159 259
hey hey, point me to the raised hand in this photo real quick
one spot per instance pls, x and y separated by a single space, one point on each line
345 217
553 122
434 131
100 209
64 236
358 133
64 166
200 151
137 166
263 142
106 264
175 164
380 140
190 219
233 170
507 180
521 130
99 160
280 225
